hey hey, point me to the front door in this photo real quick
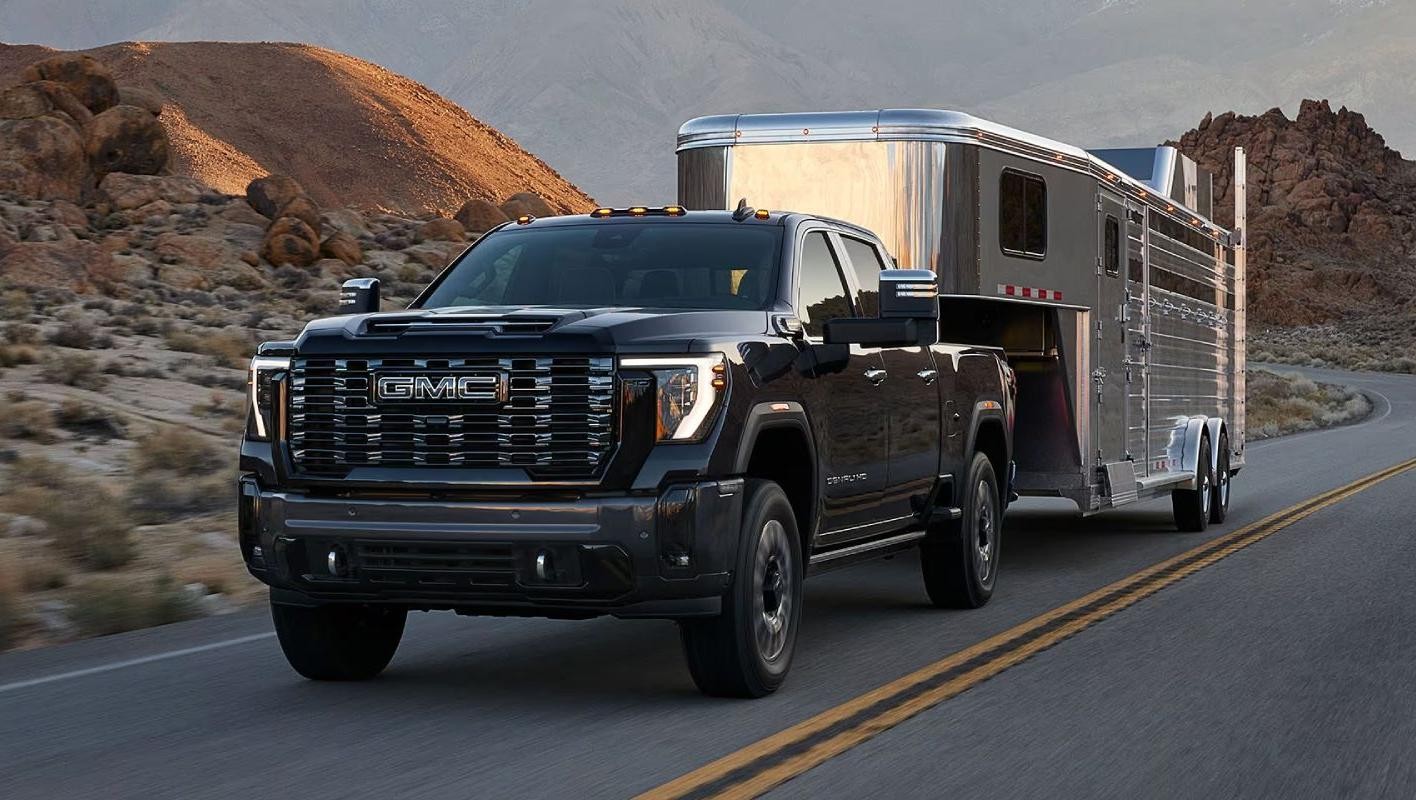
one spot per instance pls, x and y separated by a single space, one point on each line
847 388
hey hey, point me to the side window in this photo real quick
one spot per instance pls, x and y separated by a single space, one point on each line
1111 246
823 292
865 260
1022 214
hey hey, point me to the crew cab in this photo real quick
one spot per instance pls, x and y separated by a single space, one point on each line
645 412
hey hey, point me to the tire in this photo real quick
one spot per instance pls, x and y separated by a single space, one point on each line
959 559
337 642
1219 500
747 649
1192 506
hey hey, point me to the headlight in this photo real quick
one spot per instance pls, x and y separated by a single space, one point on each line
260 385
688 389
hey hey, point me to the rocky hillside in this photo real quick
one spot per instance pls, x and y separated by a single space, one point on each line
1332 213
351 132
130 301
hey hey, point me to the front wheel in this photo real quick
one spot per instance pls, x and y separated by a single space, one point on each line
960 559
338 643
747 649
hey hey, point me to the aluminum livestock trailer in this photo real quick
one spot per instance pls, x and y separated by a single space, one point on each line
1119 302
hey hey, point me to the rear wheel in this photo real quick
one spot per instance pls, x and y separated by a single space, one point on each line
1192 506
960 559
747 649
1219 502
338 643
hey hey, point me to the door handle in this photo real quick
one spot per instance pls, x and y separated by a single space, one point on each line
928 375
876 376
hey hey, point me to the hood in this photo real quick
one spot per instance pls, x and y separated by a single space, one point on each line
524 330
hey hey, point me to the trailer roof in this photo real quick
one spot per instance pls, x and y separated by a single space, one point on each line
921 124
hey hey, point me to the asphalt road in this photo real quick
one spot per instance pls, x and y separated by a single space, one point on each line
1287 669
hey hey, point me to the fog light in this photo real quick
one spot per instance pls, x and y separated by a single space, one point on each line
337 561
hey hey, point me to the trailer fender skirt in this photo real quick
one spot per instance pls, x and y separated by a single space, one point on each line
1184 450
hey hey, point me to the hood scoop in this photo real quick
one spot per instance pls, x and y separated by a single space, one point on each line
484 324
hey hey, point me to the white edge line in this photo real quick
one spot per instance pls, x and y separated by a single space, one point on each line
133 662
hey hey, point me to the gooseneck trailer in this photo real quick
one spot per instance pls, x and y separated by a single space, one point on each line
1117 299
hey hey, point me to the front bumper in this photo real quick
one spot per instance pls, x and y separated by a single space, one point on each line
664 555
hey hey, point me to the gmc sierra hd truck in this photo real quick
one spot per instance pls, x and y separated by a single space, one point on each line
643 412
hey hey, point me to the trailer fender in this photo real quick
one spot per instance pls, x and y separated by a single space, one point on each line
1185 447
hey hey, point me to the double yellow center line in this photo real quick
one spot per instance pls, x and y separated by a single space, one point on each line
759 767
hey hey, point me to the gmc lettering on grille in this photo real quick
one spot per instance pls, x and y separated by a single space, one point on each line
473 388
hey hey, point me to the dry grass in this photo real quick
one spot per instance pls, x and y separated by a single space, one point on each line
27 419
11 616
1284 403
113 605
86 522
74 369
228 348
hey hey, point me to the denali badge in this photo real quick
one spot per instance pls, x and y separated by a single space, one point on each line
480 387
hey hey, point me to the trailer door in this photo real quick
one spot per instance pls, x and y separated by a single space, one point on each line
1110 388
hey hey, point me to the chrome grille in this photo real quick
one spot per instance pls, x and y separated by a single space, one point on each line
558 418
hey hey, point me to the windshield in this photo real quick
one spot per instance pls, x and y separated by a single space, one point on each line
659 264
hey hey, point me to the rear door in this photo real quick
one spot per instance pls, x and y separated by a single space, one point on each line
911 397
846 392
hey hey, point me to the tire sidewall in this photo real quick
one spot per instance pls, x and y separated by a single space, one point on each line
981 471
765 502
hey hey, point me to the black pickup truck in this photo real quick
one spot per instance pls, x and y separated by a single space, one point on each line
645 412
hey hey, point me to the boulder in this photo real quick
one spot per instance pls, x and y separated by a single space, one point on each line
126 139
434 254
441 229
346 220
86 78
194 250
479 216
146 99
42 158
63 100
303 209
244 214
24 102
270 194
290 241
342 246
74 264
126 191
524 203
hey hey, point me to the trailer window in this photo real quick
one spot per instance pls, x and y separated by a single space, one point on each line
1112 246
865 261
1022 214
823 290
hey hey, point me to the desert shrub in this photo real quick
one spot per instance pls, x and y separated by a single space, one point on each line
79 335
215 379
87 419
18 333
113 606
1280 404
227 348
32 566
178 450
10 617
13 355
84 520
74 369
27 419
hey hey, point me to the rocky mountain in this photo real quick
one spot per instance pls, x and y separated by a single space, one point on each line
351 132
598 89
1332 212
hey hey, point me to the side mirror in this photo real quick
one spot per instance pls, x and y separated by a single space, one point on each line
359 296
909 293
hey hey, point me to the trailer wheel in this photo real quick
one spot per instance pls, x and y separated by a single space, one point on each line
747 649
959 560
1192 506
1219 504
338 643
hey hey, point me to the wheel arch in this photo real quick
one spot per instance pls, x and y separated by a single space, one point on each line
777 444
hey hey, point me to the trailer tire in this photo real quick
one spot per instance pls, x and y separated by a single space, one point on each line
338 642
959 559
747 649
1219 503
1192 507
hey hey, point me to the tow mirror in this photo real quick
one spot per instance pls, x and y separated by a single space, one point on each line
909 293
359 296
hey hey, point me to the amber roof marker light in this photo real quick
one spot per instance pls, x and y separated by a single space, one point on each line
639 211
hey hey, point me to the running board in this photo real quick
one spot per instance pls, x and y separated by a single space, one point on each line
851 554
